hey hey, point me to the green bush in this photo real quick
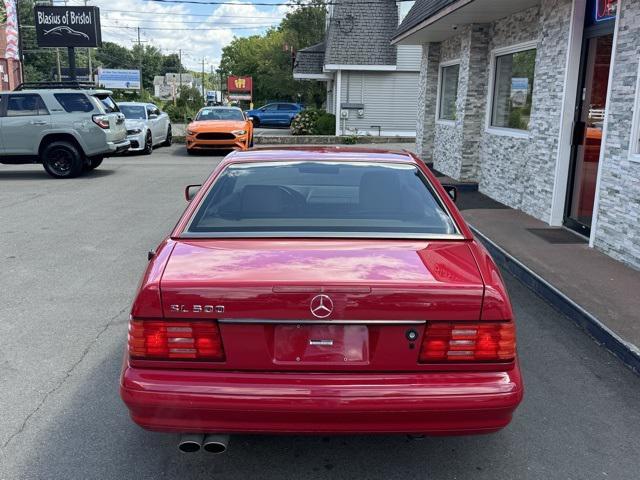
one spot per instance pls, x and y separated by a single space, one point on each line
313 122
305 122
179 113
325 124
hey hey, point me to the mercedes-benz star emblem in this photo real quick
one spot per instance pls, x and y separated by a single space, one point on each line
321 306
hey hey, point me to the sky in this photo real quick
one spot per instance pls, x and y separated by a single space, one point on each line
201 31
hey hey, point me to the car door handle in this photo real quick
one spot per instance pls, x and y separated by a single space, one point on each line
38 122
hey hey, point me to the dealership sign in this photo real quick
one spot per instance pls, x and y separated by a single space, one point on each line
68 26
239 84
119 79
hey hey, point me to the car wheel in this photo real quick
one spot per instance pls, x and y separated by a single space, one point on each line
62 160
190 151
169 138
93 163
148 144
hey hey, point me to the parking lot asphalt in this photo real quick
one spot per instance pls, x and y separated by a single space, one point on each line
72 253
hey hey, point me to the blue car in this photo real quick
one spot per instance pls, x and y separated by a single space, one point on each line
279 114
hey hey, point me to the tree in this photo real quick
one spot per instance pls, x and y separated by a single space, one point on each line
268 58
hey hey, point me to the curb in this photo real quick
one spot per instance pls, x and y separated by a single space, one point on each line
626 352
327 140
317 140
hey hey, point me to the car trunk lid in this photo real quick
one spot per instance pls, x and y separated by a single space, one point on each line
321 304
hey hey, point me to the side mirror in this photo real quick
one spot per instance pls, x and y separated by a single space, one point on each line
251 119
153 116
190 192
189 119
452 191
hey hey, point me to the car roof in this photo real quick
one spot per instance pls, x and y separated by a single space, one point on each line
221 107
60 90
328 153
135 104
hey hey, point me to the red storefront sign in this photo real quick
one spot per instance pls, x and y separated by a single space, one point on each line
239 84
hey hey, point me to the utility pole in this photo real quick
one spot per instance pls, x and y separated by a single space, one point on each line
213 83
179 70
203 97
58 62
140 52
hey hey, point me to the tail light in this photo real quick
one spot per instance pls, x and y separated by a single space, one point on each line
101 120
465 342
163 340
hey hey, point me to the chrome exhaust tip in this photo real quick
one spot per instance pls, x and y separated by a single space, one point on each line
190 442
215 443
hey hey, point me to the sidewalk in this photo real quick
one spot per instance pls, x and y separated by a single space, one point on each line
597 292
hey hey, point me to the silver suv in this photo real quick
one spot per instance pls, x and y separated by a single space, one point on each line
68 130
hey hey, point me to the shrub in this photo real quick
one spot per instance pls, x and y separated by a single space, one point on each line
325 124
305 122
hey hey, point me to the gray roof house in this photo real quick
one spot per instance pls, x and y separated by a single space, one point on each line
372 85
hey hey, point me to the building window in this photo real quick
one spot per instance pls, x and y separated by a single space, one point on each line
513 88
448 90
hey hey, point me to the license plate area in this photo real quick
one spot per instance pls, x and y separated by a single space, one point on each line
321 344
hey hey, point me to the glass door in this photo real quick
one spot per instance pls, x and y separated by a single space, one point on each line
587 134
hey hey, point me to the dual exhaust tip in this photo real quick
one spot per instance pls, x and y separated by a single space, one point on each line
212 443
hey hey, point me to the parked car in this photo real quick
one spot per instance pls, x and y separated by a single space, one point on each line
146 125
320 291
216 128
66 129
278 114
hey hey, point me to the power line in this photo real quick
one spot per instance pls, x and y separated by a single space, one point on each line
133 27
207 15
277 4
187 23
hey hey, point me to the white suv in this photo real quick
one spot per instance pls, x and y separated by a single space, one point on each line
67 130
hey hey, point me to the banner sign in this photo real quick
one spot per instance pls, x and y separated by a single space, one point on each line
239 96
68 26
239 84
119 79
8 16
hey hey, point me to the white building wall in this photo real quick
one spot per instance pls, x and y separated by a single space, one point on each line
409 57
388 98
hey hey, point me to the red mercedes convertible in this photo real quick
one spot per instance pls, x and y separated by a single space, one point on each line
320 291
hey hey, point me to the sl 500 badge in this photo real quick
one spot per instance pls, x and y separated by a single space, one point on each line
197 308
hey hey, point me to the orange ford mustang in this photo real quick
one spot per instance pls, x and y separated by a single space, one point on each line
219 128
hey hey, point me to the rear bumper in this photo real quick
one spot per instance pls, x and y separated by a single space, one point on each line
118 147
231 402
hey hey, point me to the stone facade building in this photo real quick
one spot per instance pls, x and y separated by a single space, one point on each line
538 101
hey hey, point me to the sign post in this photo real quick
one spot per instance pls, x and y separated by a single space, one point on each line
69 27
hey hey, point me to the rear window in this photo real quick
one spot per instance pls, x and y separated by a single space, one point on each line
74 102
321 199
134 112
109 105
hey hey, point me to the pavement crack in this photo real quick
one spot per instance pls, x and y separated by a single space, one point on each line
66 376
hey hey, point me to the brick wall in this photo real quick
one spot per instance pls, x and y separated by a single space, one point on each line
617 231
